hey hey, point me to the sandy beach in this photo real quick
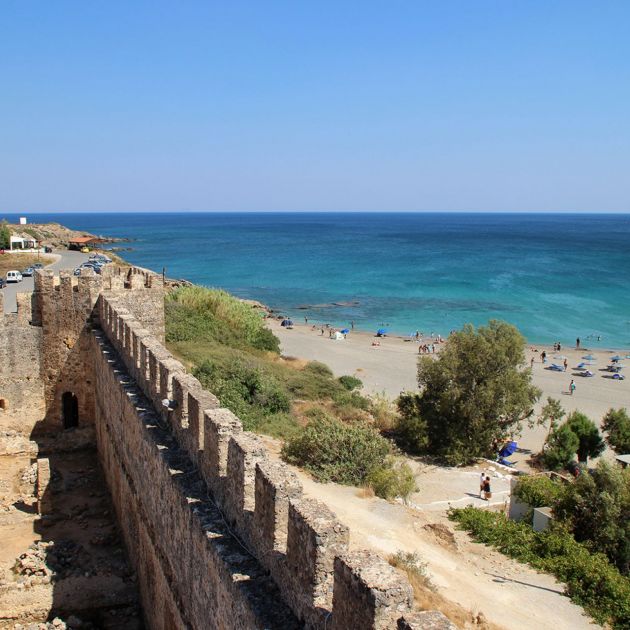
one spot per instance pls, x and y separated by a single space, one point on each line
391 368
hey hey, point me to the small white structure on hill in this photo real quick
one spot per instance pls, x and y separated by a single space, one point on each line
19 243
22 220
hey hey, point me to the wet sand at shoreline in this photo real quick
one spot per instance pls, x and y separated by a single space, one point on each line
391 368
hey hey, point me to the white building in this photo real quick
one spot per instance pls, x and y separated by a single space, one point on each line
19 243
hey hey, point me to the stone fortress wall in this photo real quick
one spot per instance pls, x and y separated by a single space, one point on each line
220 534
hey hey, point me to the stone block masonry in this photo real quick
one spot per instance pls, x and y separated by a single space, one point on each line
220 536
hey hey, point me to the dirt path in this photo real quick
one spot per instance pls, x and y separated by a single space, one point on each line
509 594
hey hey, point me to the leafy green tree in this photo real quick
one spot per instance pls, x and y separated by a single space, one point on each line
5 236
560 448
617 425
411 429
591 442
476 393
551 414
596 507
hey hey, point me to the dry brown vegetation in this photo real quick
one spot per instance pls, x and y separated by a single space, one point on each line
426 596
19 262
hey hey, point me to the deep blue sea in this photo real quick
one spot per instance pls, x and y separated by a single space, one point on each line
555 276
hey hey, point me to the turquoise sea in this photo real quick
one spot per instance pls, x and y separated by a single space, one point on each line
555 276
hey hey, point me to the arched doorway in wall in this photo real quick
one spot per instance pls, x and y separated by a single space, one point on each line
70 410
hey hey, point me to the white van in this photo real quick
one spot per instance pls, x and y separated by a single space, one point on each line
14 276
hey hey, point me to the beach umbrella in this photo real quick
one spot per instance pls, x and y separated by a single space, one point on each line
345 331
589 357
615 358
286 323
381 331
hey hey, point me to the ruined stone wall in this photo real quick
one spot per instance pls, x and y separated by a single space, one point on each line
185 476
64 308
221 535
21 388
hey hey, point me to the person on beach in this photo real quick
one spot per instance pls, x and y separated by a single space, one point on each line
531 363
482 482
543 356
566 365
571 387
577 343
306 320
487 491
352 324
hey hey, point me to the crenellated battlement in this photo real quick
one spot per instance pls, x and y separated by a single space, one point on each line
221 533
299 541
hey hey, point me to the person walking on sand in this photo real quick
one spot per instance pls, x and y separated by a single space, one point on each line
571 387
566 365
482 482
543 356
531 363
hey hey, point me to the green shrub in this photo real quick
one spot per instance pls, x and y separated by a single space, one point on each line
321 369
537 491
245 389
591 580
334 451
350 382
392 480
345 398
201 314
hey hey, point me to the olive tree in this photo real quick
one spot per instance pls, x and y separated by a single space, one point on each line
476 393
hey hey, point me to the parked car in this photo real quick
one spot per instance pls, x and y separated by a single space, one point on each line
38 266
3 283
28 272
14 276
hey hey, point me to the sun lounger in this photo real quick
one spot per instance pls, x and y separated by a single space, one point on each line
556 368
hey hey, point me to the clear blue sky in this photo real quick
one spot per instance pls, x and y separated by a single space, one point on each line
498 105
